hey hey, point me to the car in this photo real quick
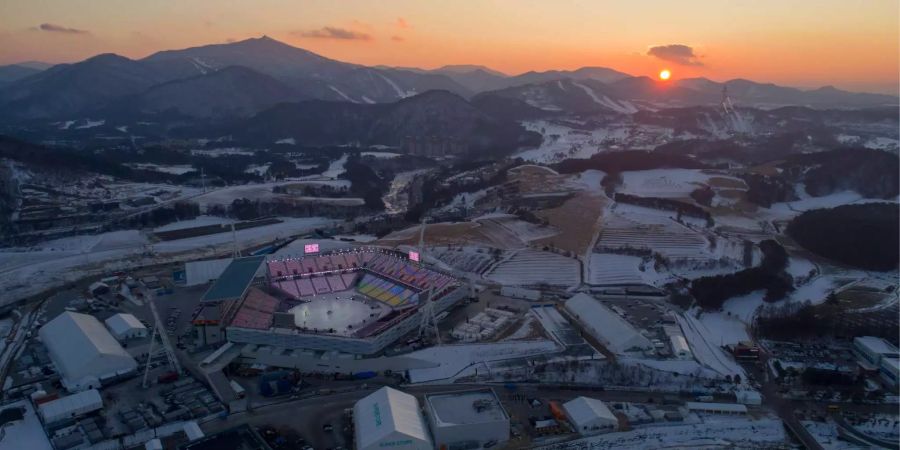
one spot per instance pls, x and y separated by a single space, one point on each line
327 427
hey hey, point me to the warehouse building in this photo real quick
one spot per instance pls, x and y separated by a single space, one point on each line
870 350
468 419
84 352
125 326
590 416
388 418
716 408
605 325
70 407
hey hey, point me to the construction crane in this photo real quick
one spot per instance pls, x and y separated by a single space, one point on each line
164 339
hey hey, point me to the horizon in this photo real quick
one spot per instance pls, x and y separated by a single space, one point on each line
767 43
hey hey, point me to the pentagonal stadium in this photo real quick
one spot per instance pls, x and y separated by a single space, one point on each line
352 301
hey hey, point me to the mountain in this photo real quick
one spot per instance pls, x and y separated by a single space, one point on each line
15 72
601 74
751 93
310 74
234 91
440 115
468 68
567 95
68 89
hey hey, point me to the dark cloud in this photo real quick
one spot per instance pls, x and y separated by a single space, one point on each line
676 53
335 33
396 38
53 28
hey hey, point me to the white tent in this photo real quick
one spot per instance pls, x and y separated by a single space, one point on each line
74 405
83 351
590 416
388 418
125 326
604 324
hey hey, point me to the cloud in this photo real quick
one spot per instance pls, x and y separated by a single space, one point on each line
676 53
335 33
53 28
396 38
403 24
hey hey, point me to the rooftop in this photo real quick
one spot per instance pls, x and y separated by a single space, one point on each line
463 408
235 280
877 345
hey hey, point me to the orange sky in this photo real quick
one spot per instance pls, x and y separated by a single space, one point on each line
850 44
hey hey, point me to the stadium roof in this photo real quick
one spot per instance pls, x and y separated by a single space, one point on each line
467 407
122 323
584 410
604 324
235 280
83 350
388 414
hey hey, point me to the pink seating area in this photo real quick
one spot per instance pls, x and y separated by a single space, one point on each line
391 267
256 311
336 283
306 287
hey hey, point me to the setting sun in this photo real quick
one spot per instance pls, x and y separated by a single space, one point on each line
664 74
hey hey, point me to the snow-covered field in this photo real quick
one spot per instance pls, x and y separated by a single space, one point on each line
667 183
643 228
174 169
561 141
719 433
613 269
27 433
706 346
532 267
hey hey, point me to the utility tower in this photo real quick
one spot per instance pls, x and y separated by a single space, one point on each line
164 338
429 320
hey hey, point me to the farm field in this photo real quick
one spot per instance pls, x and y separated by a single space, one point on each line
532 267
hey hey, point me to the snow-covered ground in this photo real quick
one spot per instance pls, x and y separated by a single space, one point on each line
24 273
27 433
199 221
461 360
728 328
336 167
826 434
719 433
174 169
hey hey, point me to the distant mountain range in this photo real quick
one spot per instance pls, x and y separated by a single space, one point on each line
243 78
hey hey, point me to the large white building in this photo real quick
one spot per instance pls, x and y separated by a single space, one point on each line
390 419
84 352
71 406
605 325
467 419
590 416
871 350
125 326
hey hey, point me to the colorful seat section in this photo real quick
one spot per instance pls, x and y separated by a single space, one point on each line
385 290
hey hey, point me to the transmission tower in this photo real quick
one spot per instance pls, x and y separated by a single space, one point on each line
163 338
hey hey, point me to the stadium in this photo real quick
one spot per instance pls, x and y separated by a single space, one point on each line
355 301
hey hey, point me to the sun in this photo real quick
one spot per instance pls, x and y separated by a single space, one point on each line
664 74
